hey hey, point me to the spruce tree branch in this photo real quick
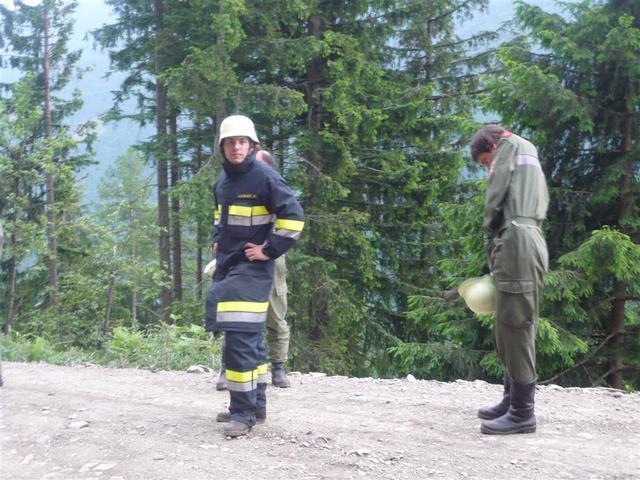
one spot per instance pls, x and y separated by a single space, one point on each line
584 360
613 370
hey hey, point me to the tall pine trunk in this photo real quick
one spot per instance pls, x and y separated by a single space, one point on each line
316 304
11 290
200 228
618 303
134 260
176 244
52 242
162 170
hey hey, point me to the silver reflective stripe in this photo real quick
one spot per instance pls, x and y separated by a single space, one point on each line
528 160
263 219
241 386
237 220
246 317
263 378
288 233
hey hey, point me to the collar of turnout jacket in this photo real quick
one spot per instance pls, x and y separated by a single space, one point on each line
239 168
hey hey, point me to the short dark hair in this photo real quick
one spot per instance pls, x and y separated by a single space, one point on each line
484 139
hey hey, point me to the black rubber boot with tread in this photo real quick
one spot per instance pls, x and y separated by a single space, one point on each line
499 409
520 418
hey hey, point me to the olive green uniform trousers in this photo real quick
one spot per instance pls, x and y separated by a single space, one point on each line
277 327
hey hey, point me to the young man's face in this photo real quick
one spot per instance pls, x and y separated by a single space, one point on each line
236 149
485 159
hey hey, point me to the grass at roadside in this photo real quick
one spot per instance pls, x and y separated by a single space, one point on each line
167 347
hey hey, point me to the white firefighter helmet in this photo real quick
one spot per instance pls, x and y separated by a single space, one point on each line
237 126
479 293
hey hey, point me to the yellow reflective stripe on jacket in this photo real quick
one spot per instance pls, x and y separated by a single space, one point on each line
244 211
294 225
251 307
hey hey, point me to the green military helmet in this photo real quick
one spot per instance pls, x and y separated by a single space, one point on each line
479 293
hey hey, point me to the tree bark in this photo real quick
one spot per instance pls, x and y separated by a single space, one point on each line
618 304
112 281
317 307
176 233
11 291
200 240
162 171
52 243
134 260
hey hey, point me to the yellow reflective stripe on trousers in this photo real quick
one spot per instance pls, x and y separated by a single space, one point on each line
242 381
252 307
263 370
245 312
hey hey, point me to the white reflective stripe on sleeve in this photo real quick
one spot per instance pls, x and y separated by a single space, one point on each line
288 234
528 160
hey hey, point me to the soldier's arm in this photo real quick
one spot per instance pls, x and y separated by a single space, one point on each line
498 185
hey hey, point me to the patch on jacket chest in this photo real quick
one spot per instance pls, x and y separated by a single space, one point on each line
247 195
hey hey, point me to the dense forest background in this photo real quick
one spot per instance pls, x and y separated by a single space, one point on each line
368 108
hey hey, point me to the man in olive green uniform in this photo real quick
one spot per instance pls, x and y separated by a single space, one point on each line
515 206
277 327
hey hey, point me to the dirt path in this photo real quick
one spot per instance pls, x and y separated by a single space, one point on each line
98 423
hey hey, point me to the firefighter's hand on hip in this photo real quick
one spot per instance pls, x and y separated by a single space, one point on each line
254 252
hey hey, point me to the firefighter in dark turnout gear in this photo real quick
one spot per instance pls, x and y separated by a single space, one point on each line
258 218
515 206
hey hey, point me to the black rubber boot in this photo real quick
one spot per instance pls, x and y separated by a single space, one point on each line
520 417
221 383
279 376
495 411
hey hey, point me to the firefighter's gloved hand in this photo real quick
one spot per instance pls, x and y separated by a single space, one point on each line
254 252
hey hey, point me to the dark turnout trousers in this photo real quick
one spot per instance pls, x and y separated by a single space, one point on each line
246 363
